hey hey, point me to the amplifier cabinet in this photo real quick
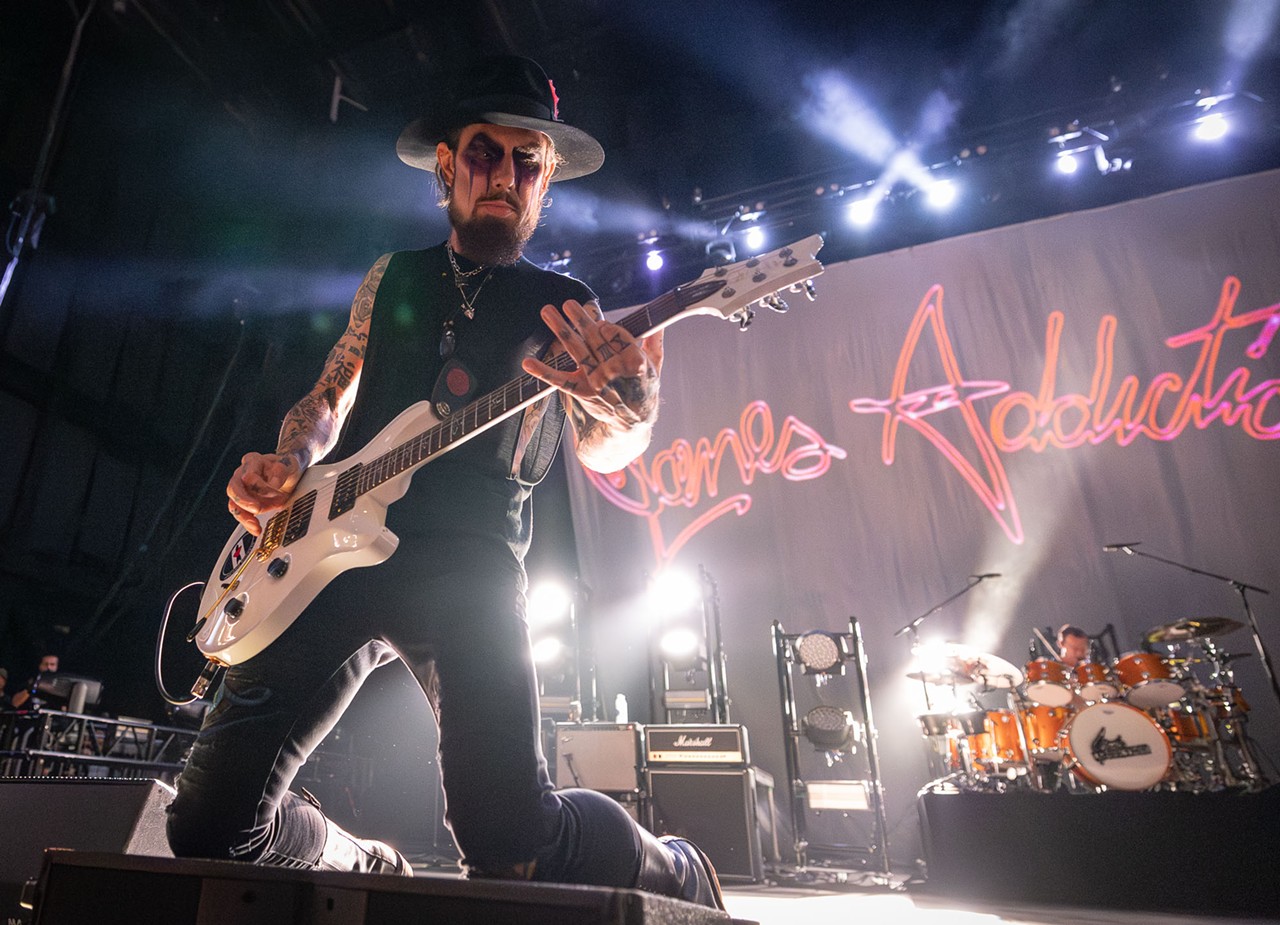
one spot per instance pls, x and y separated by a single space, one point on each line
696 745
599 756
713 807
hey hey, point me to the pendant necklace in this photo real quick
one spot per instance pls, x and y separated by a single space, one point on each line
461 279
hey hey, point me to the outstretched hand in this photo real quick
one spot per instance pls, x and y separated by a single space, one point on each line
263 483
616 380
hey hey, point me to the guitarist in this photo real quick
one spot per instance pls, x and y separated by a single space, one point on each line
445 324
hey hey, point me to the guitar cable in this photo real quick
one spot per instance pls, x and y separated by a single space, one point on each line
207 674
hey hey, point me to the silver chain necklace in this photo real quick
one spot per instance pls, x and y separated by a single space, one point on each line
461 278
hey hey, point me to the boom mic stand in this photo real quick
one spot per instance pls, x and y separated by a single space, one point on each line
1240 587
914 625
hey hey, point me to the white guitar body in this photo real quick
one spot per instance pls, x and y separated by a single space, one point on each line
269 603
336 517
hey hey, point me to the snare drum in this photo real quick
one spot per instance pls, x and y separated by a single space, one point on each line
1000 745
1117 746
1149 680
1094 682
1043 725
1048 683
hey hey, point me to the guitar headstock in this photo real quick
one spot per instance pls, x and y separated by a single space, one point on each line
734 290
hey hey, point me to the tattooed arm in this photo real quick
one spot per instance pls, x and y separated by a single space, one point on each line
264 481
612 397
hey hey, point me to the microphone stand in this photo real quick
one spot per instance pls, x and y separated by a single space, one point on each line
914 625
1240 587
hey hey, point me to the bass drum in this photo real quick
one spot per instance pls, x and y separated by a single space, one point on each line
1116 746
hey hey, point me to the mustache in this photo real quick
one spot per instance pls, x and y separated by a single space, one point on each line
509 200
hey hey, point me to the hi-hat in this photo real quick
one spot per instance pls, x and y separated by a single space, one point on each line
1190 628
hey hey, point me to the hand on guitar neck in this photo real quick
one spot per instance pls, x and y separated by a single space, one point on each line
263 483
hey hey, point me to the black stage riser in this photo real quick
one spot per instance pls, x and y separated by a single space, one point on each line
89 814
125 890
1210 853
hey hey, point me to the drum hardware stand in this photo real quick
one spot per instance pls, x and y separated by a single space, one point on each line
1240 587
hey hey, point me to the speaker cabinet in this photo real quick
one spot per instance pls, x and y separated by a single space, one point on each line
124 815
715 809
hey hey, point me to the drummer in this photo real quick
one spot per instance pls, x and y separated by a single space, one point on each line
1073 645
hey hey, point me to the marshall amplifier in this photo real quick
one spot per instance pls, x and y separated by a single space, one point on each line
697 745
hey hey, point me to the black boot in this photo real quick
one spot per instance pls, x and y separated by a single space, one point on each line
343 851
674 866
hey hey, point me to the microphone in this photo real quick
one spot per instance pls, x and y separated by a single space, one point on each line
1112 547
986 575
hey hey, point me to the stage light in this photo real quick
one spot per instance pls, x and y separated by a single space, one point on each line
654 261
829 729
941 194
680 644
1212 126
862 212
819 652
548 603
1067 163
547 651
673 592
754 238
720 251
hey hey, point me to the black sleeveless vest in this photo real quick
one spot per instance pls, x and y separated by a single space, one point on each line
478 491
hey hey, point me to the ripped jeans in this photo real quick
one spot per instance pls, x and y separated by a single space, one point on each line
461 631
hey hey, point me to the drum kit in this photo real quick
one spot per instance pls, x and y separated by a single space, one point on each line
1141 721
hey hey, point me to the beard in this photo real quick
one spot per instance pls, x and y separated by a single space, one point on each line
491 239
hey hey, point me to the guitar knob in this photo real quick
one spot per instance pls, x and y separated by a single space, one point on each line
777 303
277 567
744 318
233 609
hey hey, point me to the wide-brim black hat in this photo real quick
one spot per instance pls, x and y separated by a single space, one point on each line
506 90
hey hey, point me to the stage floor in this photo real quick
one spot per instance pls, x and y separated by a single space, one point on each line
786 905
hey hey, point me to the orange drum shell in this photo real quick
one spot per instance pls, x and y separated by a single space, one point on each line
1046 670
1093 678
1134 668
1184 727
1043 725
1000 744
1048 682
1227 705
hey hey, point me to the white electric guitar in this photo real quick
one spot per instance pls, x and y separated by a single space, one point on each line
336 518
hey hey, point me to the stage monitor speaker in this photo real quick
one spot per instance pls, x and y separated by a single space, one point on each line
715 809
88 814
84 887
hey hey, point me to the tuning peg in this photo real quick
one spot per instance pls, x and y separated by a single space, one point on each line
775 302
745 317
807 287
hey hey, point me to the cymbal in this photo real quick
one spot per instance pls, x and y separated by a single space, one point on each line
1191 628
942 679
977 667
